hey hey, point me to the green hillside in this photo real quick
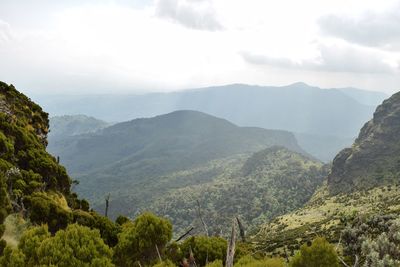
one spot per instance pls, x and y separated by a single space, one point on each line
33 186
360 195
256 188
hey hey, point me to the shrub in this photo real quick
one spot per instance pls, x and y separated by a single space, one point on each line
320 253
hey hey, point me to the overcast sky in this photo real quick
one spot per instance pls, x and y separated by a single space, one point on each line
104 46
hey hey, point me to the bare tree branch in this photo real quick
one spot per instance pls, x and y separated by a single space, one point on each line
201 218
185 234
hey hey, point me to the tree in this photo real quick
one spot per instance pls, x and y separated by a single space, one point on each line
320 253
30 242
139 241
75 246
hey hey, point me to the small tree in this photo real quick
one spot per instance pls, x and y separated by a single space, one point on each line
320 253
140 240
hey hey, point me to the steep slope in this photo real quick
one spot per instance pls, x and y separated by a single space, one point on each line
27 171
33 186
374 158
332 114
363 181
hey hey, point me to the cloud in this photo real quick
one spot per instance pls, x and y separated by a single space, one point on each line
195 14
331 59
375 29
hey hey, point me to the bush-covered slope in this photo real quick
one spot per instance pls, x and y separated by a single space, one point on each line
255 187
131 160
364 181
32 182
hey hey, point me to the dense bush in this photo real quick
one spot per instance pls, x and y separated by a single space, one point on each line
375 240
320 253
75 246
248 261
139 240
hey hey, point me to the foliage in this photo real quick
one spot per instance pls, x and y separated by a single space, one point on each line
75 246
266 184
12 258
122 220
375 240
205 248
216 263
140 162
140 240
320 253
166 263
249 261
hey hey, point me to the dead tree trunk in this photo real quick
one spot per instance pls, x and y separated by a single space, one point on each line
107 203
230 252
201 218
241 230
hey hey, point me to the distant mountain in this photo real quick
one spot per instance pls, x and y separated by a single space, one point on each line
374 158
296 108
323 147
369 98
174 141
69 125
129 159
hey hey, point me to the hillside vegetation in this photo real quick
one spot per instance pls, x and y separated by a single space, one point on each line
360 199
257 188
137 162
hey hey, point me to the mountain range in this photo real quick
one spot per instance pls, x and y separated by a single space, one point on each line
142 162
317 116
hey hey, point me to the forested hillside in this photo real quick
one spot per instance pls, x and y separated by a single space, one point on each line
139 163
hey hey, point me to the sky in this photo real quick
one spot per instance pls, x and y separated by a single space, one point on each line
122 46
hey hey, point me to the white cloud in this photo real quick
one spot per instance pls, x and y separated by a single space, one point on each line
196 14
331 58
370 28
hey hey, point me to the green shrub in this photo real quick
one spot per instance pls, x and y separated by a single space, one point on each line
138 240
320 253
